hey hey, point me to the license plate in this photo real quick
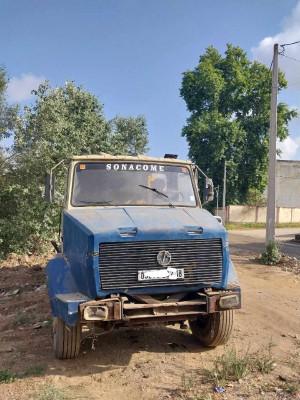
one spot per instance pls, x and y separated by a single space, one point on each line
155 274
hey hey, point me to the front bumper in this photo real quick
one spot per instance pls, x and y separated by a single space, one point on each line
146 309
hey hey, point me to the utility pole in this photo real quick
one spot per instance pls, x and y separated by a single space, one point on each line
270 223
217 193
224 194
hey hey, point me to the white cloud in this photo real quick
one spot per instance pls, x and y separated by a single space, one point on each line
289 148
290 33
19 89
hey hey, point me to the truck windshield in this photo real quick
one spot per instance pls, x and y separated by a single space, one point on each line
117 183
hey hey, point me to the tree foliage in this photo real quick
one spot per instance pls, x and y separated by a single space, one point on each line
8 122
62 122
8 119
229 100
129 135
8 113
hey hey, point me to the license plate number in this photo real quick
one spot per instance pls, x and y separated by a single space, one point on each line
156 274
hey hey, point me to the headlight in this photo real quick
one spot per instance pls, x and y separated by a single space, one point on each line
230 301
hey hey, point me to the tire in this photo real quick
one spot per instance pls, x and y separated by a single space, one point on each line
213 330
66 339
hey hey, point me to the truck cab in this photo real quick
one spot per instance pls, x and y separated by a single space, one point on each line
138 248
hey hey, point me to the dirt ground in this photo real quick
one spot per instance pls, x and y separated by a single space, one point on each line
156 362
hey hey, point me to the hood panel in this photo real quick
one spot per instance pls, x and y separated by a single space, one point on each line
85 229
147 223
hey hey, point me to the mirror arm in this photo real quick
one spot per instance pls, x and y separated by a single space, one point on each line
53 168
206 178
51 188
200 170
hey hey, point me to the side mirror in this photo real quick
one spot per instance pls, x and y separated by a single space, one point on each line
49 187
218 218
208 191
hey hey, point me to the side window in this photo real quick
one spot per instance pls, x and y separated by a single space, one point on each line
184 186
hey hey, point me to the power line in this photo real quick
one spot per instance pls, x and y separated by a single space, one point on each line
270 69
289 44
281 53
294 59
283 50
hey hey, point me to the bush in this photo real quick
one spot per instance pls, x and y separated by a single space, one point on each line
271 255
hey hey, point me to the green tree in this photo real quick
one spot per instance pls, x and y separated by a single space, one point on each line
229 101
63 121
8 122
129 135
8 113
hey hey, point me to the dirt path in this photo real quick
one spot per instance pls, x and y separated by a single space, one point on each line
148 363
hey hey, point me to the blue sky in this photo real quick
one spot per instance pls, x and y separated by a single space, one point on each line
132 53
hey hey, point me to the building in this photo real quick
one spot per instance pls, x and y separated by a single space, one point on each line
288 183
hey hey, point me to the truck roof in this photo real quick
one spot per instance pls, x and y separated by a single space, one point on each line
105 157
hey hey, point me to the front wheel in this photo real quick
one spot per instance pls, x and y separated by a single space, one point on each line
213 329
66 339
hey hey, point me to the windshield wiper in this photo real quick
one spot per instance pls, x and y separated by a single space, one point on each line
96 203
158 193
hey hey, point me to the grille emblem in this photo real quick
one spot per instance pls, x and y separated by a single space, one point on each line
163 258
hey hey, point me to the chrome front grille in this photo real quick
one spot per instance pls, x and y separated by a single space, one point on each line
120 262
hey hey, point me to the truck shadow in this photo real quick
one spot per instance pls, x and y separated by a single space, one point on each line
25 329
114 351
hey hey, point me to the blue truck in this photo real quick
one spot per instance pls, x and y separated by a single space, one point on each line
138 248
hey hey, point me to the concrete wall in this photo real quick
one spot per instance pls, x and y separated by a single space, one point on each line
287 183
258 214
287 198
261 214
241 213
296 214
